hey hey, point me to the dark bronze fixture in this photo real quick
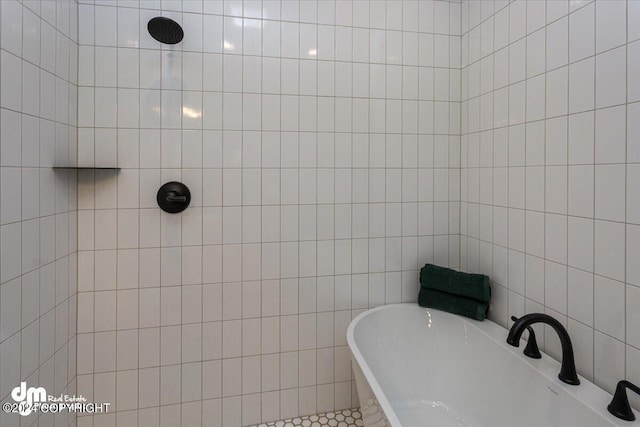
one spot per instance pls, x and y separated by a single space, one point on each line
165 30
173 197
531 350
619 405
568 369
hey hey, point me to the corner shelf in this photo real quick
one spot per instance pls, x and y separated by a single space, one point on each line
86 168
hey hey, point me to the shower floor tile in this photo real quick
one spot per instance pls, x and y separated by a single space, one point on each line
345 418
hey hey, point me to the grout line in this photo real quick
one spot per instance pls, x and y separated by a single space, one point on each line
593 290
625 308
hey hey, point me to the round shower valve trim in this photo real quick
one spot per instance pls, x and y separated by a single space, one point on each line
173 197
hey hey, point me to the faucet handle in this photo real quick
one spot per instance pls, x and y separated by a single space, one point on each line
531 350
619 405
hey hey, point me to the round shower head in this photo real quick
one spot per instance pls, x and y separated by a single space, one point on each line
165 30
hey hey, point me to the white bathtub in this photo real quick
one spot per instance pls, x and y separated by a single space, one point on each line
420 367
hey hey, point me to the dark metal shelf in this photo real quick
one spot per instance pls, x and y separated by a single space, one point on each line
85 168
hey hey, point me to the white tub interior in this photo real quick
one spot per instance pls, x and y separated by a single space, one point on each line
427 367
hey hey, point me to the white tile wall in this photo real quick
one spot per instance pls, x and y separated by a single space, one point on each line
320 140
38 207
557 118
321 143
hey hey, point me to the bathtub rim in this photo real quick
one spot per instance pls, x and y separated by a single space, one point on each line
589 394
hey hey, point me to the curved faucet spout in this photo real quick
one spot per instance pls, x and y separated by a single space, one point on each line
568 369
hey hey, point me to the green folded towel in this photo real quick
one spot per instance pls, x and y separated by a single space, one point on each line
453 304
473 286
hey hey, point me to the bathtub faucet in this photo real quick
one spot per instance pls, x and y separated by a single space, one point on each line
568 369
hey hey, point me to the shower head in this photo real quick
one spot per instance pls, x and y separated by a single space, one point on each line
165 30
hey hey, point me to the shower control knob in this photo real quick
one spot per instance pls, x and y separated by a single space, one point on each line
173 197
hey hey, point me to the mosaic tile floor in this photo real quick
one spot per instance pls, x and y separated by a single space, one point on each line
346 418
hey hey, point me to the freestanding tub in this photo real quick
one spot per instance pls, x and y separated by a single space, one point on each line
418 367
